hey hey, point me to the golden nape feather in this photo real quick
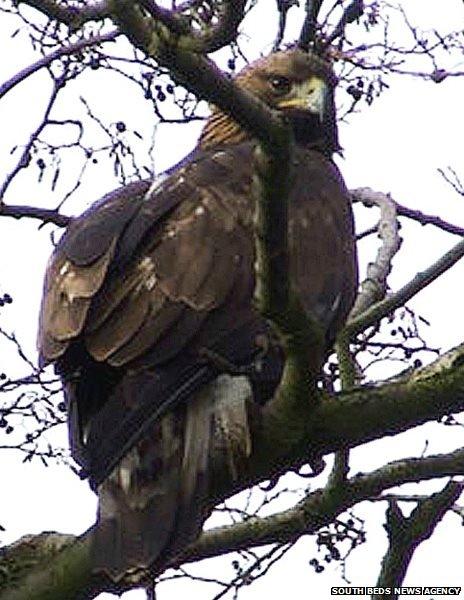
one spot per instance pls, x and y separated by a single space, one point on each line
284 79
148 316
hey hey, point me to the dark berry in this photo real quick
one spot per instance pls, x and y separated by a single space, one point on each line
313 562
355 92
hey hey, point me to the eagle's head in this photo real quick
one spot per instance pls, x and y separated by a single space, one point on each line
299 84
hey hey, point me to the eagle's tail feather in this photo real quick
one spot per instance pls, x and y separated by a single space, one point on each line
137 506
155 502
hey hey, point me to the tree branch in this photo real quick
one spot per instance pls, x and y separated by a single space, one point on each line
366 195
25 157
456 508
374 287
199 75
405 534
418 283
33 212
212 38
308 30
78 46
352 13
71 567
72 16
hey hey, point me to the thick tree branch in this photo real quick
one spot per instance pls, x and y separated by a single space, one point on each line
199 75
284 439
69 572
432 392
212 38
321 507
308 30
406 533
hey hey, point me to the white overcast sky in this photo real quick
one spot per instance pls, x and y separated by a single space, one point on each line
394 146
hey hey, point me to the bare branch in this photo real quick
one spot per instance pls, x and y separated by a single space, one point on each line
453 179
33 212
405 534
73 16
225 31
364 195
283 6
72 566
58 53
373 288
212 38
456 508
352 13
418 283
308 30
25 157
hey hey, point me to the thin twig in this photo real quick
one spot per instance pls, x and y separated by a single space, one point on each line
24 159
364 195
58 53
418 283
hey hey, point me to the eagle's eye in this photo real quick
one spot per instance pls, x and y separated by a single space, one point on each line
280 84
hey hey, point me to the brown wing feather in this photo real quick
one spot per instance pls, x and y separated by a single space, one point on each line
120 326
68 292
323 253
189 259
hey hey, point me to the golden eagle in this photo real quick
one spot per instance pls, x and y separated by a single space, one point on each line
148 314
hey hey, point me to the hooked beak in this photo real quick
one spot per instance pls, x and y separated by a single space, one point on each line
309 95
